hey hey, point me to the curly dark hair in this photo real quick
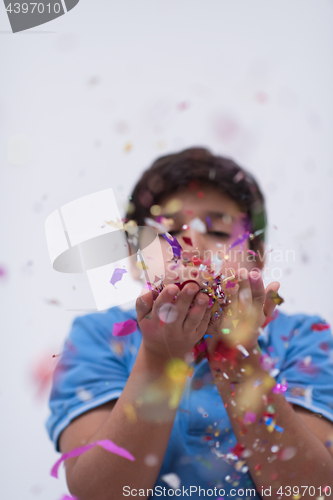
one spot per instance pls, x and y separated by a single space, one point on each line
193 168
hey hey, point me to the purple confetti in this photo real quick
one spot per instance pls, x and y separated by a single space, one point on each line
240 241
209 221
117 275
175 245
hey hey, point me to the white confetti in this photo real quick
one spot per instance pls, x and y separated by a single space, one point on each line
83 394
243 350
171 480
168 313
151 460
198 225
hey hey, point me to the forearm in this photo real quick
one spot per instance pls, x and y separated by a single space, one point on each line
248 389
140 422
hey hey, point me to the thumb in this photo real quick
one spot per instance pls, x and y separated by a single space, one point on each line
144 304
269 304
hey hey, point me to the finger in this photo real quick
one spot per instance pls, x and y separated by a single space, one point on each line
202 327
232 302
184 299
244 293
196 313
270 305
257 290
258 297
144 304
167 296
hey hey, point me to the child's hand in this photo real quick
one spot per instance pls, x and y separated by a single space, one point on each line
187 326
249 306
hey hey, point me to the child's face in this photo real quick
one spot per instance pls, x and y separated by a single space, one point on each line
224 224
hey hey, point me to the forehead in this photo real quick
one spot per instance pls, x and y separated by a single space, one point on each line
202 201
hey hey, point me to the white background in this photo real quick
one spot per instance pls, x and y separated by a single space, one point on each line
251 79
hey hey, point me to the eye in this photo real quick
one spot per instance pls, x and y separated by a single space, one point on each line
219 234
173 232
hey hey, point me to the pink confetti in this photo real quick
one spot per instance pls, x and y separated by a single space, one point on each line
104 443
319 327
270 318
249 417
66 497
230 285
3 272
182 106
124 328
252 252
279 388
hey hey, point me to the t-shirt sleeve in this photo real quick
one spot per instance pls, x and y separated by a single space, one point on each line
308 366
93 369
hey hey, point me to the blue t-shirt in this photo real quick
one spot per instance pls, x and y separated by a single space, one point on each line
95 366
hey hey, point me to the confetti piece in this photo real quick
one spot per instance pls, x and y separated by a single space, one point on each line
171 480
117 275
235 322
287 453
130 413
279 388
168 313
182 106
151 460
275 297
3 272
124 328
319 327
209 221
196 260
83 394
249 417
187 240
243 350
117 225
238 177
66 497
240 241
53 302
42 373
104 443
128 147
252 253
270 318
173 206
238 450
198 225
175 245
141 265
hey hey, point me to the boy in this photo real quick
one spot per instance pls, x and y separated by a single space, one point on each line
254 418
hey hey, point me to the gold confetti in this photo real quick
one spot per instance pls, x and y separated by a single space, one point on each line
173 206
155 210
117 225
130 413
128 147
275 297
141 265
